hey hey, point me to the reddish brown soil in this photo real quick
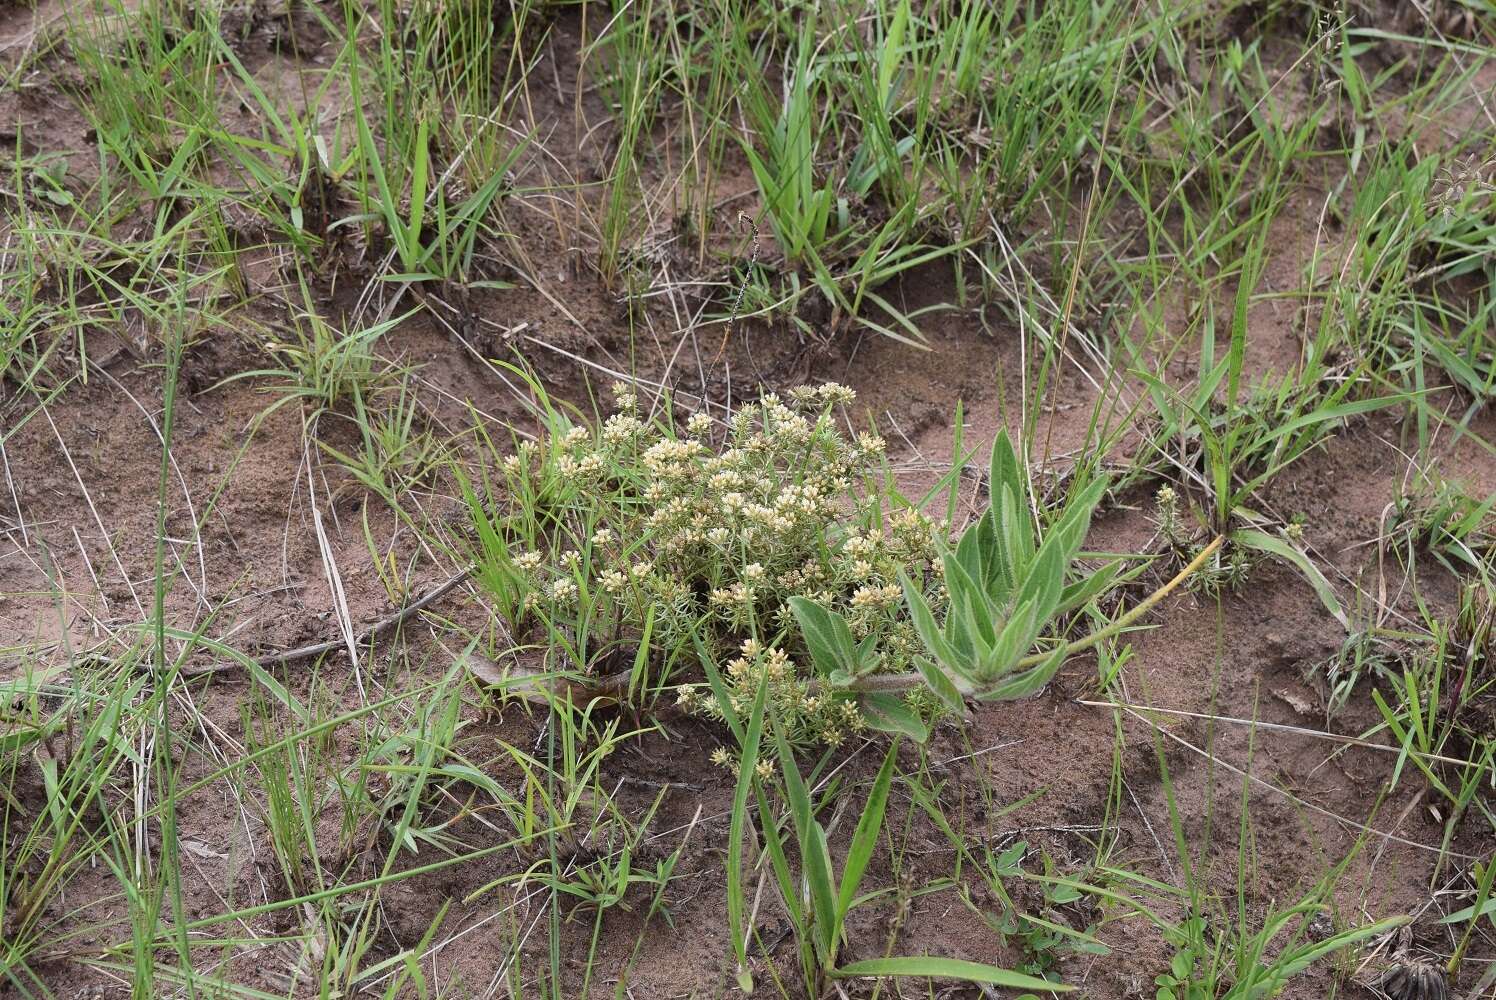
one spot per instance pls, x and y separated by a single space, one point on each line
85 470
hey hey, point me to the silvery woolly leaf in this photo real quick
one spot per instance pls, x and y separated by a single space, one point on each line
1089 586
1007 476
1023 684
1011 644
944 683
826 635
1046 581
972 610
924 625
891 714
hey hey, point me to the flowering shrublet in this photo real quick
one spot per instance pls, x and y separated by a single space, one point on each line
806 717
691 533
1228 570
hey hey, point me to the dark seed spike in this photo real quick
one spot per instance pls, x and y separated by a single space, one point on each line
1413 980
1392 981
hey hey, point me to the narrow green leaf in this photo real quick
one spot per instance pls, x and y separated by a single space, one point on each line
1290 966
865 839
1272 545
815 856
948 968
891 55
720 689
418 188
1471 913
747 762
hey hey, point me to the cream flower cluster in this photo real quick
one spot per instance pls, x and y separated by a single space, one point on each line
808 718
706 531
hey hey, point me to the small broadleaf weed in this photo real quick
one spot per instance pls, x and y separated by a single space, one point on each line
1005 586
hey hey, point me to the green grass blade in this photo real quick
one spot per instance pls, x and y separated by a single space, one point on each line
866 836
747 763
948 968
1263 542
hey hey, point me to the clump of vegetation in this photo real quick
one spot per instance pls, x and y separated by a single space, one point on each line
696 539
1185 243
1441 517
781 546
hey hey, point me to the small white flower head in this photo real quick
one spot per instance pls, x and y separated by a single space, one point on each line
836 394
827 395
753 572
624 397
875 597
528 561
699 424
602 536
563 589
805 395
621 428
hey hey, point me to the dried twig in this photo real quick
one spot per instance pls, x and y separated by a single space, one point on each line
318 649
732 316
